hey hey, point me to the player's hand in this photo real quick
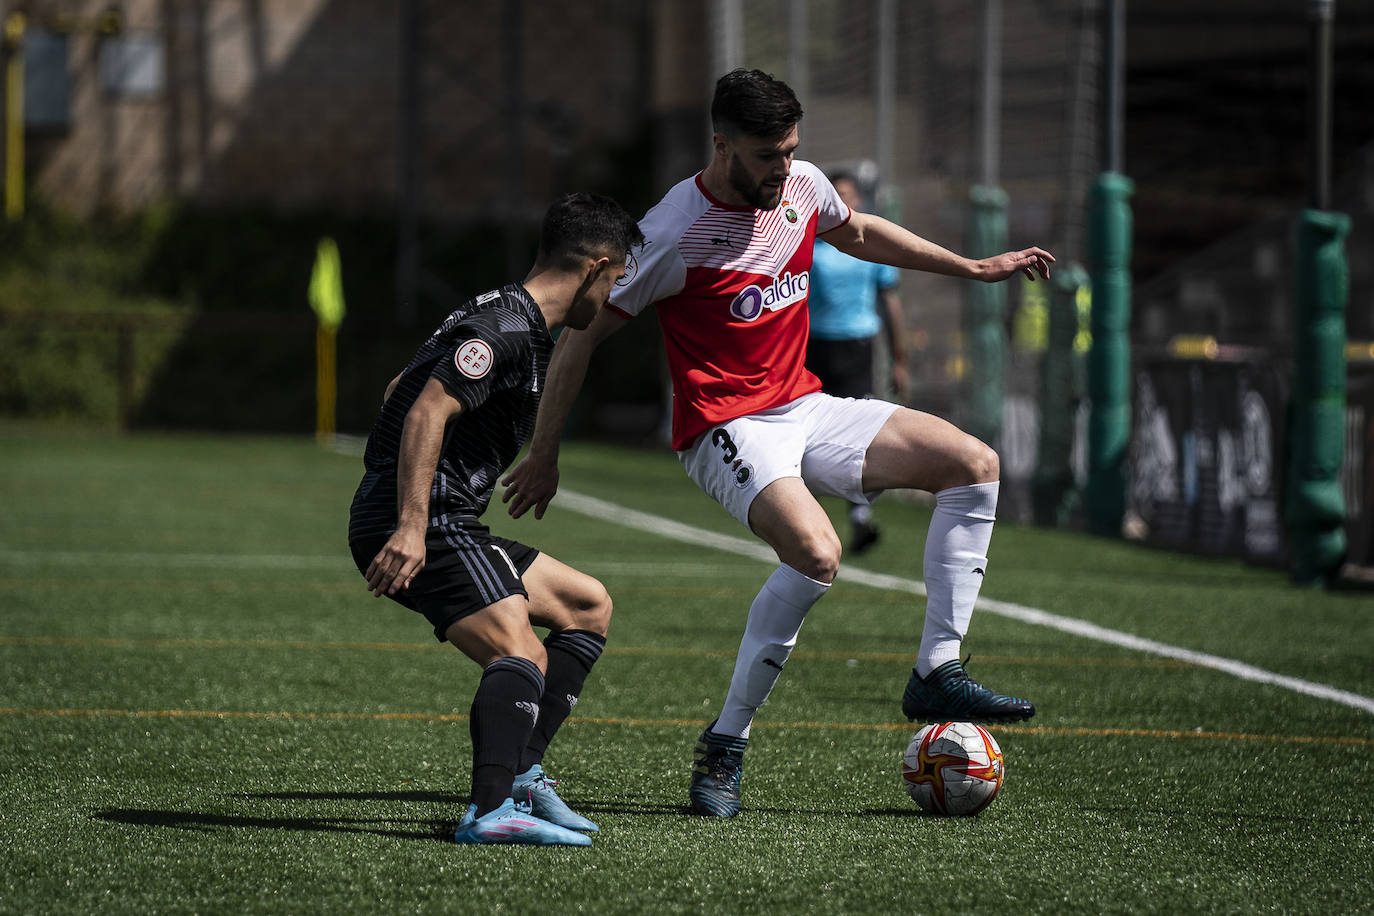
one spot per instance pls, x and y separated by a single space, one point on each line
398 563
1030 262
531 483
901 381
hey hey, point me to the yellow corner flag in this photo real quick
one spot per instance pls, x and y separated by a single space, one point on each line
326 298
326 285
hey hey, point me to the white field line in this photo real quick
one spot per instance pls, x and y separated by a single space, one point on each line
665 527
653 524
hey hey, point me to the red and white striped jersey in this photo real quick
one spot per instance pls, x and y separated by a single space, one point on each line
730 286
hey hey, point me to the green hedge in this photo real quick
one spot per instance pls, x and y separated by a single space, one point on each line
192 318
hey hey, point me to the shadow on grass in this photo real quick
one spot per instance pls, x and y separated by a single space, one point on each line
438 798
611 807
592 807
414 828
461 801
208 823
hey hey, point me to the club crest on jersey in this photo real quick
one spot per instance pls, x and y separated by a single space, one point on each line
631 268
786 290
473 358
789 212
742 471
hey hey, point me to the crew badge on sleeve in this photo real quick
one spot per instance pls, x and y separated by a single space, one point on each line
473 358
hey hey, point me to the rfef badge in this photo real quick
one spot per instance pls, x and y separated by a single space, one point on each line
473 358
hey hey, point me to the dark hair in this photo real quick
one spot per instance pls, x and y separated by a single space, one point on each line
843 175
752 102
582 225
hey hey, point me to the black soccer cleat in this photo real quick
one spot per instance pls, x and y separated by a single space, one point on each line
948 694
864 535
717 765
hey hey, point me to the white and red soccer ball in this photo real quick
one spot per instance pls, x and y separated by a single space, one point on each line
953 769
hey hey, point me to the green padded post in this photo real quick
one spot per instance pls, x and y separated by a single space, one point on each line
1052 483
1315 503
983 317
1109 360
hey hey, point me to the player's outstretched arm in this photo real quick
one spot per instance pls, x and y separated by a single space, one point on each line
873 238
533 481
1028 261
422 438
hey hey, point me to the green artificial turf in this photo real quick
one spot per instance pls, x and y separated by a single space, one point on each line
201 710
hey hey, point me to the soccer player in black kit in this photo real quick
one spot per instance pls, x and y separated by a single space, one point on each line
451 422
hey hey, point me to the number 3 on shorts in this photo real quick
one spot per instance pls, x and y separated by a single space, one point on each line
727 445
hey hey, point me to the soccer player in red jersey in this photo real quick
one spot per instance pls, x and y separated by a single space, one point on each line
726 264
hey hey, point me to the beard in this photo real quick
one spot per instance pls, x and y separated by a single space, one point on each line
758 196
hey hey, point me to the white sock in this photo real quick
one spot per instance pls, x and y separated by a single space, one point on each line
955 561
775 619
860 514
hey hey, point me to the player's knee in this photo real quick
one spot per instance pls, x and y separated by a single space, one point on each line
583 605
486 638
979 463
594 609
536 653
819 556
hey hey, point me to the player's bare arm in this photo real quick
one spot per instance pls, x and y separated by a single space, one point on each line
533 481
403 555
891 315
391 387
873 238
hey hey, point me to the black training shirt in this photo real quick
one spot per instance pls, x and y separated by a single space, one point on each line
492 354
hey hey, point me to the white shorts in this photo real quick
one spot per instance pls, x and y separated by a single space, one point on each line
819 438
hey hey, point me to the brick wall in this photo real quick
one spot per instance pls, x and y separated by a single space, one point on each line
296 102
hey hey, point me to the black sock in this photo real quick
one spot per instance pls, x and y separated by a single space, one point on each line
503 713
571 656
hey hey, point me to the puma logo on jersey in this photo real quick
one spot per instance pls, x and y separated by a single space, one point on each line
786 290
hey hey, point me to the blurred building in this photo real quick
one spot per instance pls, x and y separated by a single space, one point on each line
480 111
305 102
457 122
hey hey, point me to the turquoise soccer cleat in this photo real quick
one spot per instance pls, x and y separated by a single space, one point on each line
507 824
534 788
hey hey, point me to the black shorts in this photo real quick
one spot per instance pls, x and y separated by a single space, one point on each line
466 569
845 367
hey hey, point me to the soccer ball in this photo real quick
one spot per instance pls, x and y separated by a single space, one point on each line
953 769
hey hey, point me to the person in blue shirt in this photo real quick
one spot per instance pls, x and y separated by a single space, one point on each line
851 301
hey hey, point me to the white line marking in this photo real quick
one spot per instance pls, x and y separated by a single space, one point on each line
643 521
665 527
